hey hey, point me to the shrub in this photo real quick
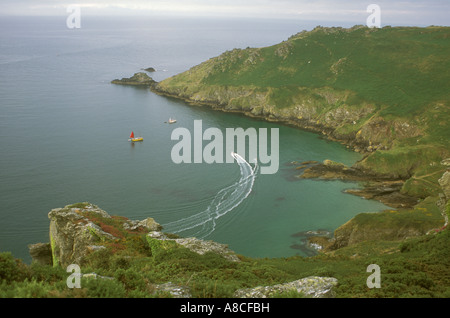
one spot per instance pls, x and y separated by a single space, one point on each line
47 273
27 289
11 269
103 288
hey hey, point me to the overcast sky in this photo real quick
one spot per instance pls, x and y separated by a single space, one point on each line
408 12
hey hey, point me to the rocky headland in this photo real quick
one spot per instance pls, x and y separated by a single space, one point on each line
80 229
312 81
315 82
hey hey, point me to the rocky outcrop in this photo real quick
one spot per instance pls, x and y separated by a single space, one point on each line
354 232
138 79
375 187
173 290
198 246
444 198
311 287
79 229
73 235
444 182
149 224
41 253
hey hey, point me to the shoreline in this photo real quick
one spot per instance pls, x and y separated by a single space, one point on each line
374 187
384 186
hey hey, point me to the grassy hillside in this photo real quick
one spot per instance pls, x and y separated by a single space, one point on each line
402 70
418 267
134 265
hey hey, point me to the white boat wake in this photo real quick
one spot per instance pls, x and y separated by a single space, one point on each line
204 223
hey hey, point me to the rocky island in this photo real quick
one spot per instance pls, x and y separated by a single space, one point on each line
138 79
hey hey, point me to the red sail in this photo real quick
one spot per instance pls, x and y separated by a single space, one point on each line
132 135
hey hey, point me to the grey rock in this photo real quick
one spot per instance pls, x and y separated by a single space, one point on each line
444 182
41 253
311 287
149 224
174 290
72 235
201 247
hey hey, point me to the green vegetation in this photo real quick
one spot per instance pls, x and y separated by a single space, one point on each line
397 68
417 267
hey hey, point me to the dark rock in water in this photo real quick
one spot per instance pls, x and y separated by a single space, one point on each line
309 162
383 189
138 79
149 69
311 241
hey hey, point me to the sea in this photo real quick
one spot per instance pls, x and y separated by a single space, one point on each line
64 131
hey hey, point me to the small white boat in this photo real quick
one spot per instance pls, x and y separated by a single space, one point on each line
172 121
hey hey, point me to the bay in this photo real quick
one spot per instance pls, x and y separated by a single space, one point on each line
64 134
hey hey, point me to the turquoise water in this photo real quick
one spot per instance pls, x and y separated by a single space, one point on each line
64 134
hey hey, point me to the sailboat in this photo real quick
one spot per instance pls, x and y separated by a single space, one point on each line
171 121
134 139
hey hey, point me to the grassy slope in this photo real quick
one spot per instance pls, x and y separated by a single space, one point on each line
404 70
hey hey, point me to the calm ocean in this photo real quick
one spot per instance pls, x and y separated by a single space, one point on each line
64 134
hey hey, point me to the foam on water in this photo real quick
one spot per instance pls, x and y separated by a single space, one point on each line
227 199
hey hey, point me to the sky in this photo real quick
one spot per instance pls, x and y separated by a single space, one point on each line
407 12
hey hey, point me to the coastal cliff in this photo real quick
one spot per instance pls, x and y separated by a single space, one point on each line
380 92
